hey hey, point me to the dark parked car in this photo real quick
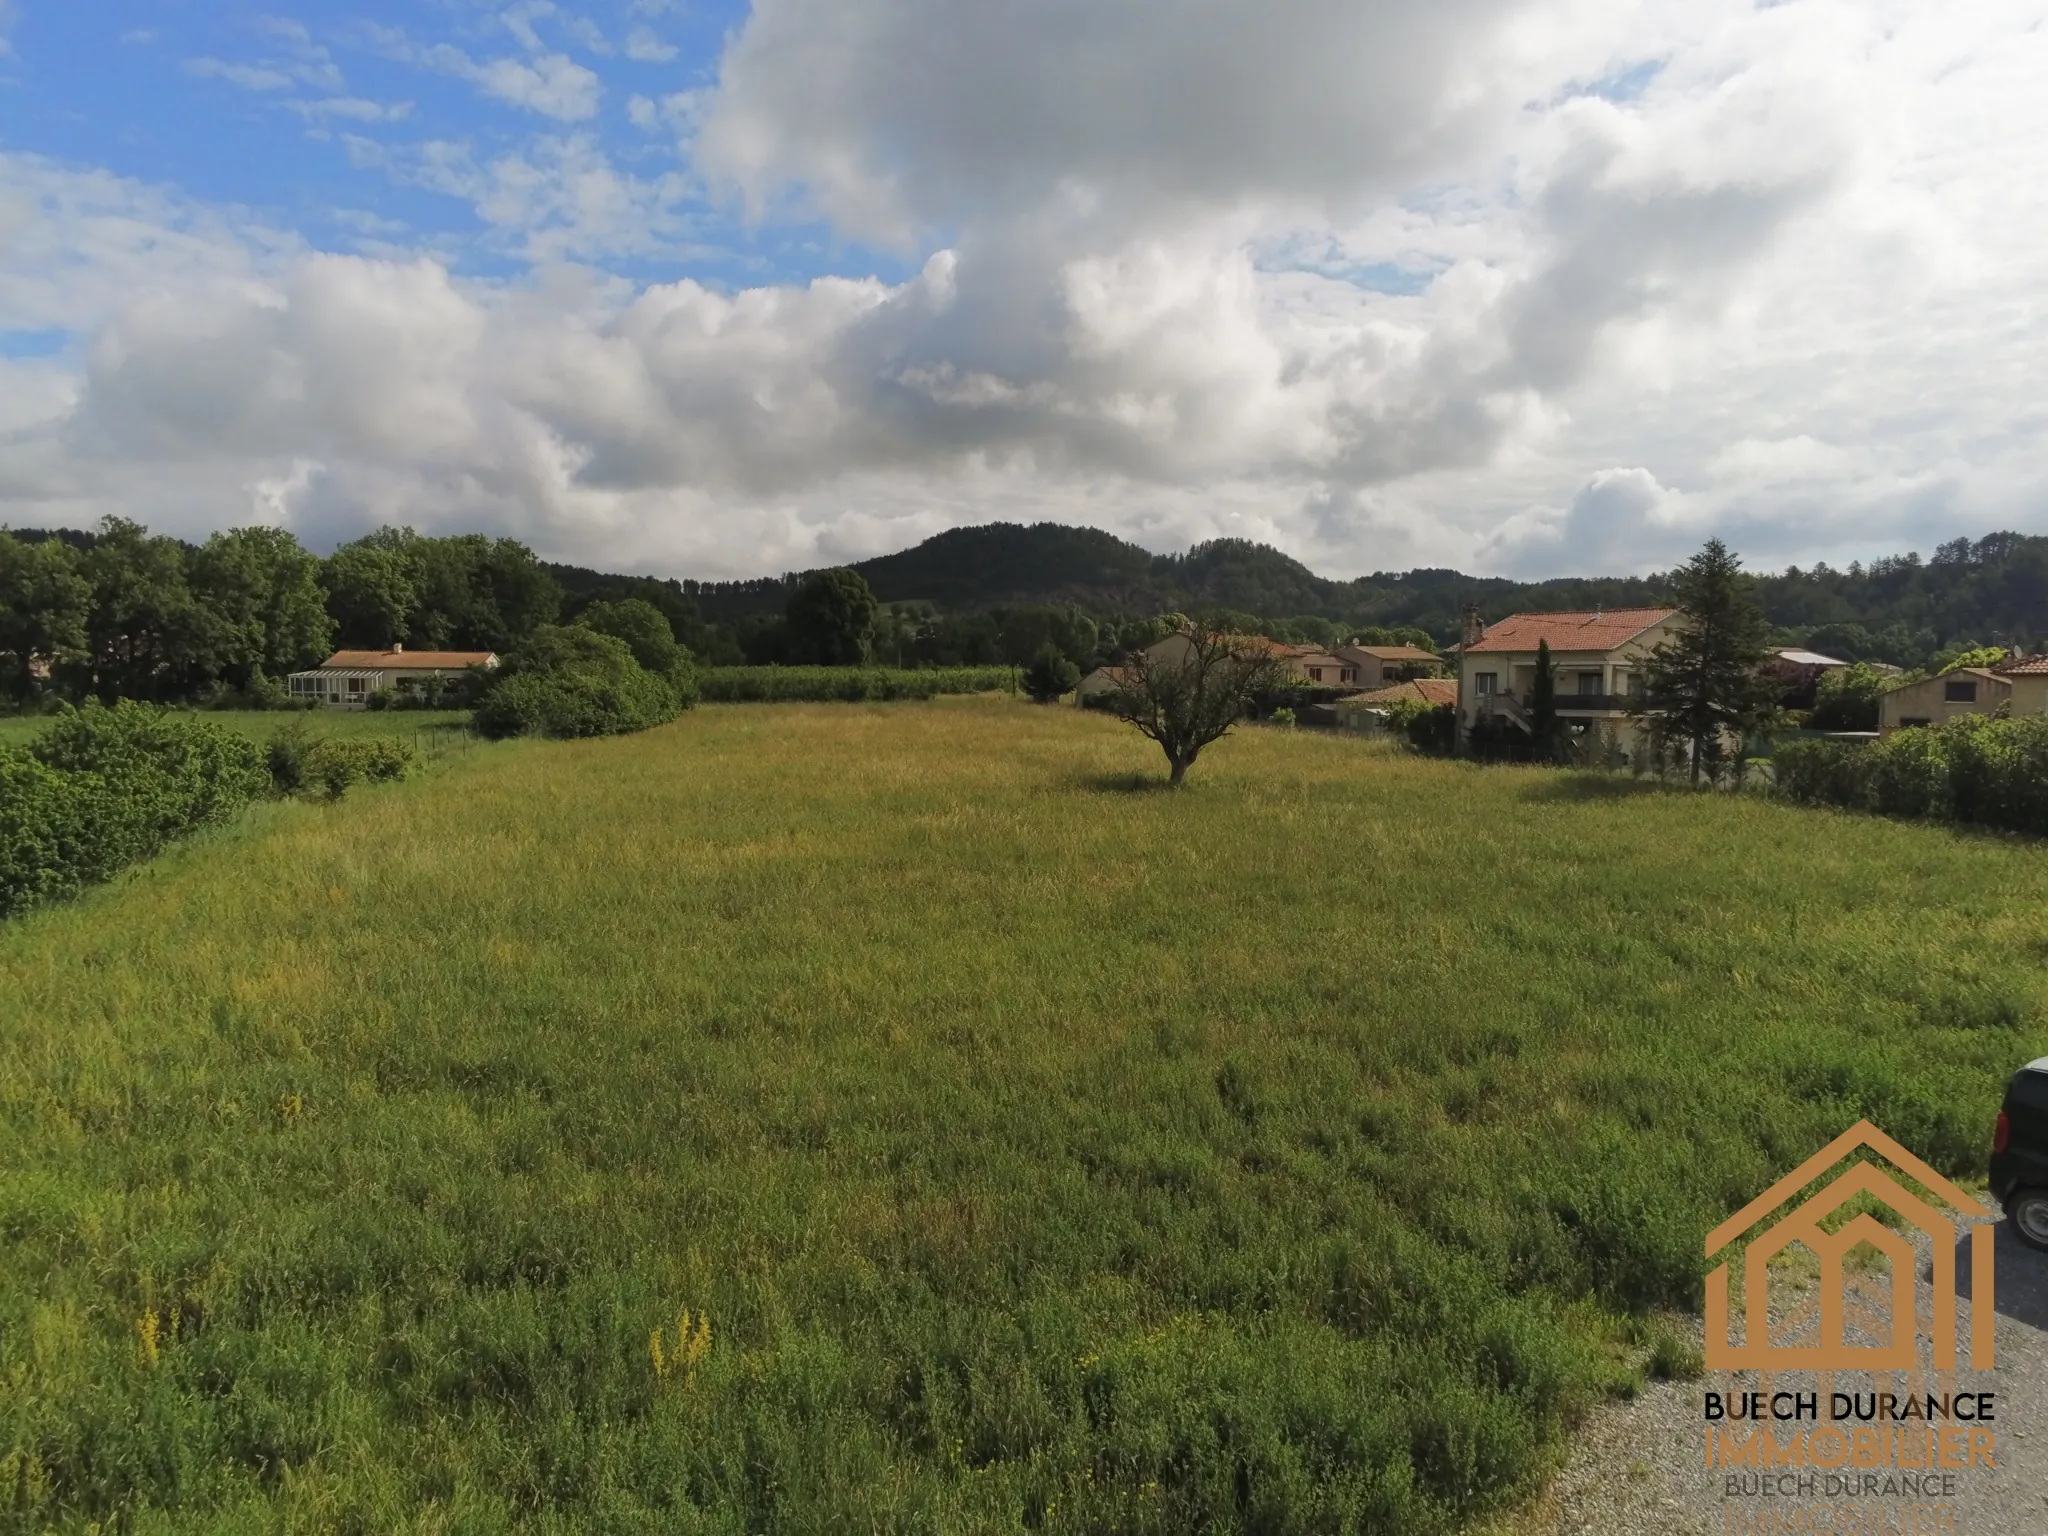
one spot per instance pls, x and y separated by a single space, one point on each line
2019 1154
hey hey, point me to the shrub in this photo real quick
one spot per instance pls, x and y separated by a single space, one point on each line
380 698
1283 718
1974 769
1050 675
1823 773
337 762
571 681
780 685
1431 728
105 787
286 757
459 691
1846 699
1908 774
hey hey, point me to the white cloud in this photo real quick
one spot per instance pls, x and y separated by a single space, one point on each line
352 108
643 46
1386 285
250 77
553 84
559 198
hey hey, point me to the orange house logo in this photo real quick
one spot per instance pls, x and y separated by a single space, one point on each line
1803 1226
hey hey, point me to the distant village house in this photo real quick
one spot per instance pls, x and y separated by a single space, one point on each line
2020 686
348 678
1353 668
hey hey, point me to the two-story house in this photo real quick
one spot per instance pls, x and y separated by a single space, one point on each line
1594 659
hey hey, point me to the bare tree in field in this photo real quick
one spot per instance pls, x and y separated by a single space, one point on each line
1189 689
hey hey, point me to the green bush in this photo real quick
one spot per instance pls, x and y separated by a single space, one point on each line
786 685
285 755
1430 728
1823 772
1909 774
334 763
1050 676
1974 769
105 787
571 681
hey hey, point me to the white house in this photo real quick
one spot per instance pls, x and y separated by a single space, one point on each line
1595 661
348 678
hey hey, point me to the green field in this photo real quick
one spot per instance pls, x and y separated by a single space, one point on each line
1300 1152
261 724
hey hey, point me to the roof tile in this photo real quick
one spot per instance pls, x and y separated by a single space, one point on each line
1601 631
408 661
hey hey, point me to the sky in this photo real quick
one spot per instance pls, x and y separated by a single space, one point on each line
1524 287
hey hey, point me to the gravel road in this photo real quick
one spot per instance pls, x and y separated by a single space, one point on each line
1637 1468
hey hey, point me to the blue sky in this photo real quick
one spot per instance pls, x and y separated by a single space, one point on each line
1528 286
357 125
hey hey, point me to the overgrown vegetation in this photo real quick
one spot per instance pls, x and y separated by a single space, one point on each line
817 685
1017 1151
1975 769
570 681
101 789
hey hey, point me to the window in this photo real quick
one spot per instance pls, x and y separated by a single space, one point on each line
1485 682
1959 691
355 687
1912 720
1589 685
1315 674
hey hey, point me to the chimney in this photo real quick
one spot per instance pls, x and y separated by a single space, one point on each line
1474 625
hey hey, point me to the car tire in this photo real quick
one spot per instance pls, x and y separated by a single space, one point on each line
2028 1209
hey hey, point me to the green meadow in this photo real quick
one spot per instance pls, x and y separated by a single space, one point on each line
908 1117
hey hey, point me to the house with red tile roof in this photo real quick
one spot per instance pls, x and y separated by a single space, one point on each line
1595 658
348 678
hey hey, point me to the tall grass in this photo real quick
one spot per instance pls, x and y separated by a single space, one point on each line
986 1139
781 685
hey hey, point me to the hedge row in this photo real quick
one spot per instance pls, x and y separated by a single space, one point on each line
779 685
1975 769
104 788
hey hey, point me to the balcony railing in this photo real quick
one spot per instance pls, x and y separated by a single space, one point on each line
1511 703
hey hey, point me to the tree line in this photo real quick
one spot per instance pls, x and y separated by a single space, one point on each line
1902 610
124 613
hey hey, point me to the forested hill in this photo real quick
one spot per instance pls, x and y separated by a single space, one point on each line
1903 610
1993 590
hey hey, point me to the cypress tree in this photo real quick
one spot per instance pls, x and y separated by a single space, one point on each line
1703 685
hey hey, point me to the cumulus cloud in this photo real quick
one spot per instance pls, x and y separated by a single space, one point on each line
553 85
897 113
1533 285
643 46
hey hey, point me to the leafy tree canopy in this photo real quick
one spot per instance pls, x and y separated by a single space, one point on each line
831 619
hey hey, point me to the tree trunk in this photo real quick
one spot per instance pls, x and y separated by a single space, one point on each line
1180 772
